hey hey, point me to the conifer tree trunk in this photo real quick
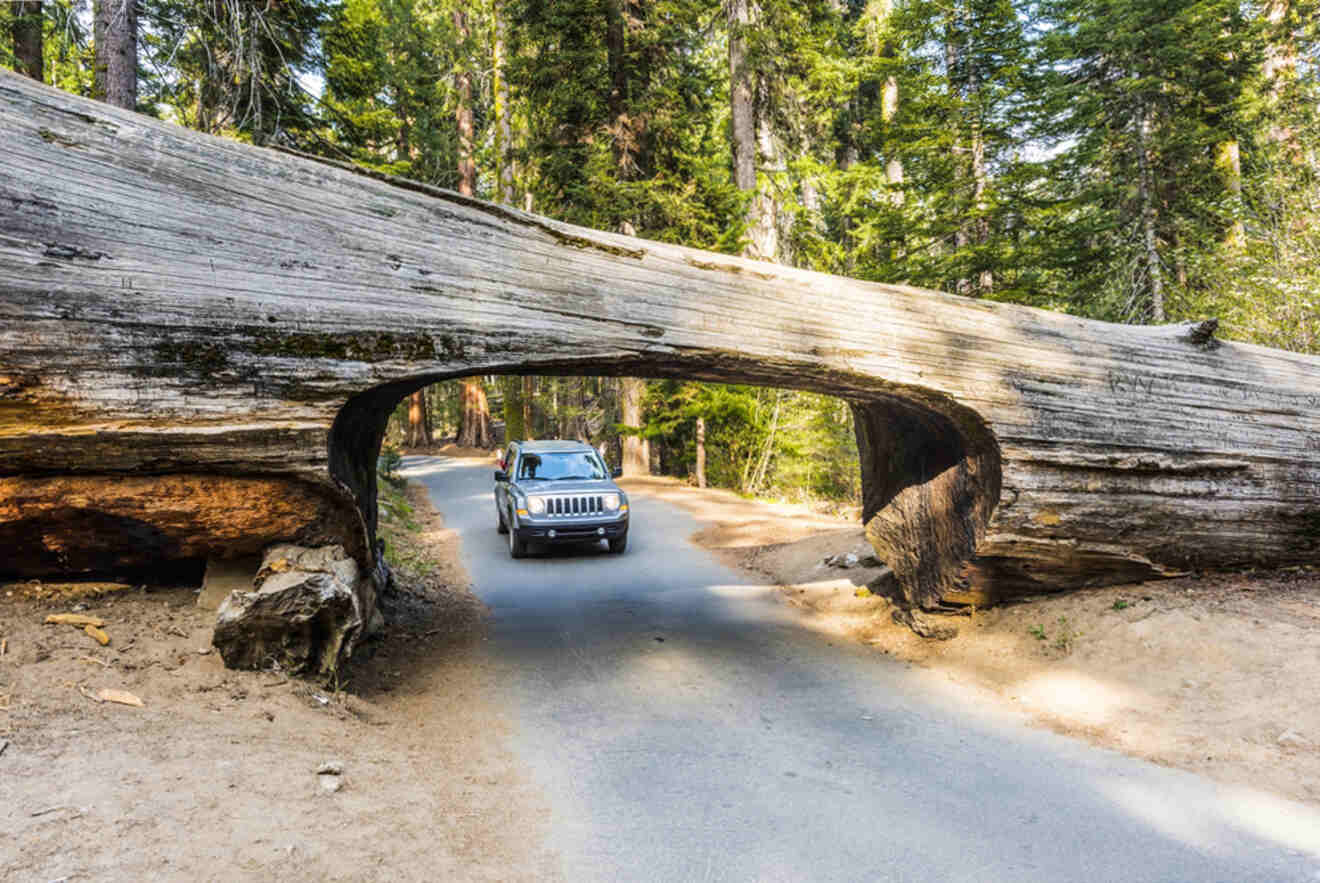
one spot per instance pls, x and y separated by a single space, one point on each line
1146 188
741 97
877 22
749 130
474 429
763 215
952 63
616 50
419 422
1279 64
527 392
467 167
636 450
115 39
894 164
985 282
503 126
514 428
26 31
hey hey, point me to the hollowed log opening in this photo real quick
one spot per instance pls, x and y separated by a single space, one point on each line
354 448
930 484
930 470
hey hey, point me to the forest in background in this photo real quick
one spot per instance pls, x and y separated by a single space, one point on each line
1130 160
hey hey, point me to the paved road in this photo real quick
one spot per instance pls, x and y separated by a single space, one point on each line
684 725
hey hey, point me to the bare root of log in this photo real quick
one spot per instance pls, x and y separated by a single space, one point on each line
307 609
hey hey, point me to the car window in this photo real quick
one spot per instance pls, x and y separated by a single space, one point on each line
561 466
506 462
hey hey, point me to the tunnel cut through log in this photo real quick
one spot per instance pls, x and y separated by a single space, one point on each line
183 309
930 467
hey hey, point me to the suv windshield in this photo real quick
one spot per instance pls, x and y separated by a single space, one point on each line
561 466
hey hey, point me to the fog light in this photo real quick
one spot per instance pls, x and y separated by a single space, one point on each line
551 534
600 531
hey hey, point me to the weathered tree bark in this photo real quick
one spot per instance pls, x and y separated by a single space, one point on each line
1004 450
636 450
26 29
474 428
114 36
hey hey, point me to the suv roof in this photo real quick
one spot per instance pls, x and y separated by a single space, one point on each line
548 445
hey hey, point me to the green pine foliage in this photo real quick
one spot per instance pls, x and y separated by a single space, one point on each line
389 87
626 138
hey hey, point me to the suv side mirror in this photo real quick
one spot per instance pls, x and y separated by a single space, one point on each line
616 472
501 475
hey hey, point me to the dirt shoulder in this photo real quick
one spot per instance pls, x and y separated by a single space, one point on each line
1216 675
215 776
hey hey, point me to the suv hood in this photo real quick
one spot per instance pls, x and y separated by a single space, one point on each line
583 486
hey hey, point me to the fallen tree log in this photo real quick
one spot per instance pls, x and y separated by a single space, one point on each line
180 306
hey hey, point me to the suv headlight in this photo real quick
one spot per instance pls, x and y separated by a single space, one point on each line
536 505
611 502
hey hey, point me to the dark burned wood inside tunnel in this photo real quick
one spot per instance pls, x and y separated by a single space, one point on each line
198 313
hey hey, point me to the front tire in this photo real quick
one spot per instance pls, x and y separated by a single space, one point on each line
619 546
517 547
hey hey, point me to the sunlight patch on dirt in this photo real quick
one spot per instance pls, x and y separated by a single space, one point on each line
217 771
1215 675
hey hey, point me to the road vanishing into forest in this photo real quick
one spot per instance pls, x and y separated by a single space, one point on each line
682 724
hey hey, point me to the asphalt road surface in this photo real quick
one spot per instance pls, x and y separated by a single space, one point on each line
683 725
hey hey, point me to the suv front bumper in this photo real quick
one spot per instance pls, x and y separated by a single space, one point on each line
567 531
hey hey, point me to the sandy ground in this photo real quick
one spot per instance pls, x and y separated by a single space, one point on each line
1216 675
215 776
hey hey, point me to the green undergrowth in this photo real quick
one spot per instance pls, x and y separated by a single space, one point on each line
398 525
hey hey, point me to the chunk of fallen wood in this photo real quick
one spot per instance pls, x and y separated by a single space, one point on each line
100 637
80 619
4 646
100 662
122 697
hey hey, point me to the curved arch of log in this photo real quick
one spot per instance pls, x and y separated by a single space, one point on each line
199 338
930 466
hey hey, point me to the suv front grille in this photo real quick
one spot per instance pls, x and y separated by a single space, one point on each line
568 506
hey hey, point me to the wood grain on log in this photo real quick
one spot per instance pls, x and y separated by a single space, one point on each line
177 304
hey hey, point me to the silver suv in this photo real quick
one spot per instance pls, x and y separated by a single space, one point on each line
558 492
